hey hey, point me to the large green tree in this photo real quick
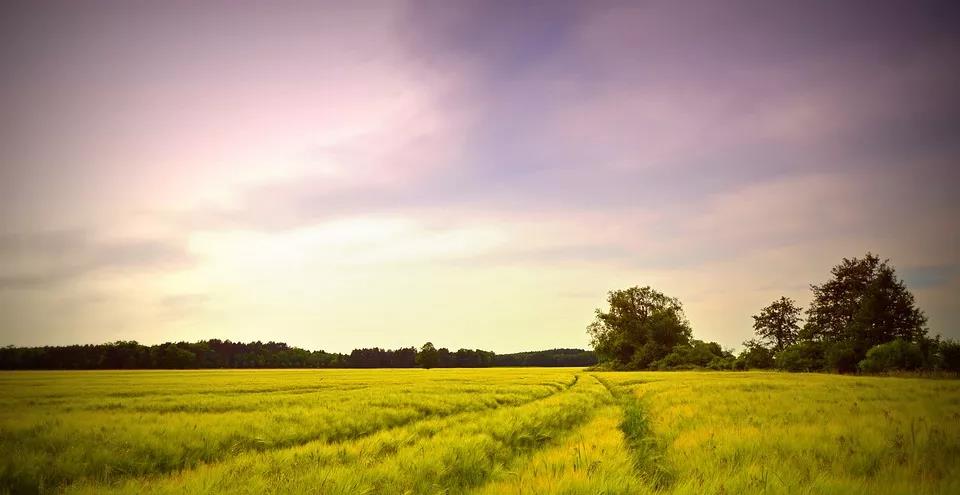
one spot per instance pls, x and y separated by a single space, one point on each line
778 324
640 326
864 305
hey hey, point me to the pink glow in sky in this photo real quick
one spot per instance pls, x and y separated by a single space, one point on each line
479 174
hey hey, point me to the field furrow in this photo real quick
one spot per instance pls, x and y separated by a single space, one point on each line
593 459
647 452
812 433
52 450
443 454
482 432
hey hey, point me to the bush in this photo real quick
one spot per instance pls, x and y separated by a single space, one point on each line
754 356
722 363
802 356
842 358
645 357
697 354
949 353
898 355
671 361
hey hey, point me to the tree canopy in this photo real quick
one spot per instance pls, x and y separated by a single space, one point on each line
226 354
864 304
427 357
640 326
862 319
778 323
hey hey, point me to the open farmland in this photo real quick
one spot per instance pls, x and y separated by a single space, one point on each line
532 430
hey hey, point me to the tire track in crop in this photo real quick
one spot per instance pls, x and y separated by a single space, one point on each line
649 459
520 443
423 416
556 440
238 393
238 448
537 433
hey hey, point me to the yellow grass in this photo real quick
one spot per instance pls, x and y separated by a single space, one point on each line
481 431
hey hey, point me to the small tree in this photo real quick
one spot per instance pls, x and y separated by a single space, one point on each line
641 326
778 323
428 356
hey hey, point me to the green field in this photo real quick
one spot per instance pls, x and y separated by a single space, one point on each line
519 430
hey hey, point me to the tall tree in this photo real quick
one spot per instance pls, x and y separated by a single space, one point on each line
641 326
428 356
864 304
779 323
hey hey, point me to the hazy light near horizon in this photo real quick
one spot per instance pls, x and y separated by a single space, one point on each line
476 174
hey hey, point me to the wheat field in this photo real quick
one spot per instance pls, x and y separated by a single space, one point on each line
485 431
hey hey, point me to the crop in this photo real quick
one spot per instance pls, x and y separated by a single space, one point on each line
801 433
528 430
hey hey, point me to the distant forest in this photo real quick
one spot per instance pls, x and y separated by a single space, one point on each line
226 354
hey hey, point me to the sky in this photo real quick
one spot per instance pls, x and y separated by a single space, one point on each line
476 174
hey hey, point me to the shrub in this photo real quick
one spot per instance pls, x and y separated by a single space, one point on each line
696 354
898 355
841 358
754 356
722 363
950 356
671 361
644 357
802 356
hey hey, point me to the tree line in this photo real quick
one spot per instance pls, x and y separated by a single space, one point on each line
863 319
217 353
431 357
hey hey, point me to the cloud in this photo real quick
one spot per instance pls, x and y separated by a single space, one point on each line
44 260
